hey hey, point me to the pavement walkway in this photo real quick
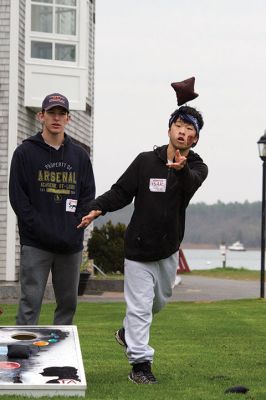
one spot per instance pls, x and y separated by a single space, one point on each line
195 288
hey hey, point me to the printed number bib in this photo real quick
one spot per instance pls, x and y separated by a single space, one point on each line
157 185
71 205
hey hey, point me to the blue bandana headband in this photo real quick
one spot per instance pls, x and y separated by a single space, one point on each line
187 118
191 120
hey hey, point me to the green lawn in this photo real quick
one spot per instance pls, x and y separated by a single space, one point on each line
201 350
228 273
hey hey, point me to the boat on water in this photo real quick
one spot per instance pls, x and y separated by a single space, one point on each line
237 246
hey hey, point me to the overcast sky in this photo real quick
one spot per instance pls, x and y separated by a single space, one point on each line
143 46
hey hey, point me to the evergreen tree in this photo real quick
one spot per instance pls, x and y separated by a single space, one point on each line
106 247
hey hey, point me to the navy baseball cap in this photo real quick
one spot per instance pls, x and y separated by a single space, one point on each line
55 100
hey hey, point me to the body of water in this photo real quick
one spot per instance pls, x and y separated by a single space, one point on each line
208 259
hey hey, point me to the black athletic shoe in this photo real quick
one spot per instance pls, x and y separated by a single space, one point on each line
120 337
141 374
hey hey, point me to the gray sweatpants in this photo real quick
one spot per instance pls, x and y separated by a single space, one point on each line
35 266
148 287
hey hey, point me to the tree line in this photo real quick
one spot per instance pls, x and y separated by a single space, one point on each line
220 222
210 224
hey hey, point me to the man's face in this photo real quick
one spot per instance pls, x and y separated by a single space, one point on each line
182 135
54 120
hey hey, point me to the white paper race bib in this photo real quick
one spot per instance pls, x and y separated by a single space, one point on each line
71 205
157 185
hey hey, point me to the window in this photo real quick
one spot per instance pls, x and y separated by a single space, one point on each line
54 30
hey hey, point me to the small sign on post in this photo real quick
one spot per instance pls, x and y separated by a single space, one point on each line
223 254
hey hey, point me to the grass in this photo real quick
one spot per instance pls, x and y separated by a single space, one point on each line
113 277
201 350
228 273
225 273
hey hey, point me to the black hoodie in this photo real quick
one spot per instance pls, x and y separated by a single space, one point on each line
161 196
50 191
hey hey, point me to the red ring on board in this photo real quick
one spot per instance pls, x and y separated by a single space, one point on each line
9 365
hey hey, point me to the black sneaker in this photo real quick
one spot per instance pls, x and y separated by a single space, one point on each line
141 374
120 337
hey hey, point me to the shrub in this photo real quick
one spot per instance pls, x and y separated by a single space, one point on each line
106 247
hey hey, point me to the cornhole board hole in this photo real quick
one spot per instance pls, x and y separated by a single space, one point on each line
41 361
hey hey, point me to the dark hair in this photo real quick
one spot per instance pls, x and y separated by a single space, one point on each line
186 110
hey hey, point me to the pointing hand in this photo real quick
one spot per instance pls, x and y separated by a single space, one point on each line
179 161
87 219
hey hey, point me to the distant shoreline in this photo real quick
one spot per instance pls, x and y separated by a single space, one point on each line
208 246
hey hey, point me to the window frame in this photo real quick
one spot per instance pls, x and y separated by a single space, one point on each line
54 38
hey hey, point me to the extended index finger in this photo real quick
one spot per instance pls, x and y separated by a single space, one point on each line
84 222
177 155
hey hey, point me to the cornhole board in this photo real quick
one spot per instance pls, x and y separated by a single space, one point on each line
41 361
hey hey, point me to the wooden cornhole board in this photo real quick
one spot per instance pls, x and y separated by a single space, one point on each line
41 361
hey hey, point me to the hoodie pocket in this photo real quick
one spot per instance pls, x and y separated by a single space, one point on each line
59 235
147 238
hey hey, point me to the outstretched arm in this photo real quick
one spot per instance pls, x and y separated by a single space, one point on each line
120 195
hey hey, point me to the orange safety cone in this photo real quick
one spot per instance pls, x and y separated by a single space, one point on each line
182 264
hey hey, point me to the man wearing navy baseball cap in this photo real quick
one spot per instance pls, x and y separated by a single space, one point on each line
51 185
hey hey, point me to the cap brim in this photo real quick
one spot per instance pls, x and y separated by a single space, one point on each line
56 105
